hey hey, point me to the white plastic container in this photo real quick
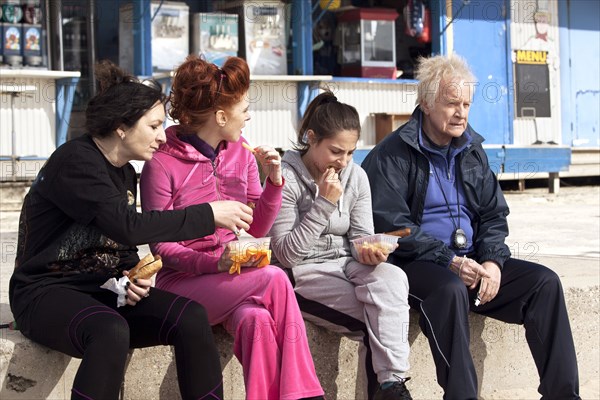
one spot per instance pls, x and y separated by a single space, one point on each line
381 241
243 244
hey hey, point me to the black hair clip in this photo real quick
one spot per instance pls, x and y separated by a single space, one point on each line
218 92
152 84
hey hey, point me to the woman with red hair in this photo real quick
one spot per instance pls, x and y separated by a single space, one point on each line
204 160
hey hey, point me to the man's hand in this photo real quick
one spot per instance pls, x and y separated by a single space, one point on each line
469 271
489 287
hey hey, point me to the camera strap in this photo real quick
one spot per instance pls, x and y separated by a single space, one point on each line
456 223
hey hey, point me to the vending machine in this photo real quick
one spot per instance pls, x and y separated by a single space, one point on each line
76 50
170 35
22 33
263 43
12 33
32 33
215 36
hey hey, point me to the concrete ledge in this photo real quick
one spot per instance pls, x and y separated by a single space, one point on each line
505 367
31 371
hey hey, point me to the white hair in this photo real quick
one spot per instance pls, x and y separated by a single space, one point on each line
433 70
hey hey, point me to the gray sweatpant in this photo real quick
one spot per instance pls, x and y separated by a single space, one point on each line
376 296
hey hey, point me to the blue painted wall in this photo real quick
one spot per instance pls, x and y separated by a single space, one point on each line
481 35
580 72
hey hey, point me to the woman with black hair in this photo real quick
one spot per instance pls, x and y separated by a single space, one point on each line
79 229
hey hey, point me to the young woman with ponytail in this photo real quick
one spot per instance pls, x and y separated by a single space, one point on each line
327 203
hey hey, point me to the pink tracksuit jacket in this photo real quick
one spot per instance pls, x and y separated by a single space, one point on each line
258 307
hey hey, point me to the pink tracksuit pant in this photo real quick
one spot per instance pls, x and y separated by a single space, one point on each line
259 308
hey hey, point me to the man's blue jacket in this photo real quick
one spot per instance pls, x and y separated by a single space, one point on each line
399 174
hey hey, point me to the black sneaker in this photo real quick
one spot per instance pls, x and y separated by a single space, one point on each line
397 391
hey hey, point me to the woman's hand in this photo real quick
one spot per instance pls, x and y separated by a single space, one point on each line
232 215
137 290
372 255
270 160
330 186
225 261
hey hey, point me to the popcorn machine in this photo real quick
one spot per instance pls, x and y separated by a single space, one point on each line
367 41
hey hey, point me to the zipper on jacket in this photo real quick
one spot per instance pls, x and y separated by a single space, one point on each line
218 192
467 191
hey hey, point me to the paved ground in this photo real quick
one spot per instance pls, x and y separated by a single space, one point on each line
561 231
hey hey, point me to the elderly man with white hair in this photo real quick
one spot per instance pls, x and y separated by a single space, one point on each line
432 176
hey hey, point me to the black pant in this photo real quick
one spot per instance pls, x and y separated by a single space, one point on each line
530 294
91 327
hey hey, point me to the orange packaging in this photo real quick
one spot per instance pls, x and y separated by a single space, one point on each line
249 249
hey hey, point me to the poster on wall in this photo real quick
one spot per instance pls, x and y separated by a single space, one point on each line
533 84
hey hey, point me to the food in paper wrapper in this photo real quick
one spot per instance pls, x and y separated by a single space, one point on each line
119 287
144 269
247 250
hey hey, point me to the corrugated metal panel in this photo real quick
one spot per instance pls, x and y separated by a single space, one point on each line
525 37
34 120
369 98
273 111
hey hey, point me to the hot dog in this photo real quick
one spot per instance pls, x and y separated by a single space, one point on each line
148 266
400 232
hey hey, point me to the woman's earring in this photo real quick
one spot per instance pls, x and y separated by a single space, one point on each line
305 137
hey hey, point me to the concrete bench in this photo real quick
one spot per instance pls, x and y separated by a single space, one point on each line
505 367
